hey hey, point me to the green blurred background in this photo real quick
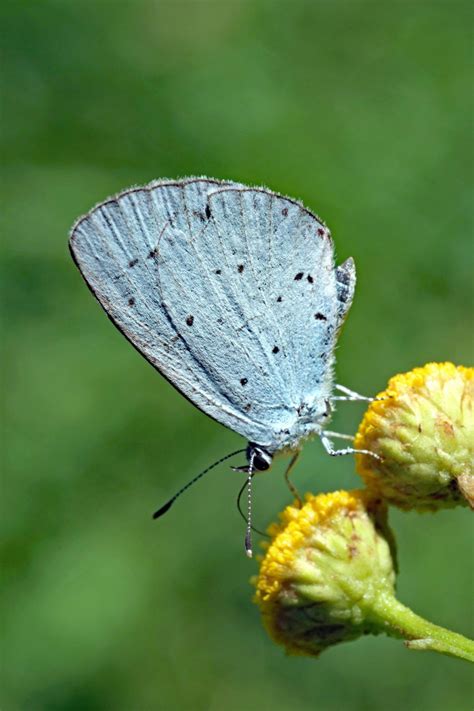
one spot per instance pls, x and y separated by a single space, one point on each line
359 108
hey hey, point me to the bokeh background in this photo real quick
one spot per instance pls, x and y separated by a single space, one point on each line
360 108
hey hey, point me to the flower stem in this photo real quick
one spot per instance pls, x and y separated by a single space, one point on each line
399 621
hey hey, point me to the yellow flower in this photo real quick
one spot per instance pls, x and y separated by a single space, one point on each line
328 576
326 564
422 427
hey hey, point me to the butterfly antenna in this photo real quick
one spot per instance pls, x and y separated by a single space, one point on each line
166 507
239 509
248 534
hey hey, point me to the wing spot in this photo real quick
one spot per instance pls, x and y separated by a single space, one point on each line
152 254
299 276
218 271
284 212
240 268
190 320
132 262
208 212
247 407
321 232
279 300
275 349
319 316
131 301
310 278
243 381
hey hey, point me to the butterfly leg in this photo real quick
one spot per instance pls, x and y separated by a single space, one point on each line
289 483
328 446
338 435
350 395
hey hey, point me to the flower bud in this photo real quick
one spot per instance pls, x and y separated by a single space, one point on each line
328 576
326 565
422 428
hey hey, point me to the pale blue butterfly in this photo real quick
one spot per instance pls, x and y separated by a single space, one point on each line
232 293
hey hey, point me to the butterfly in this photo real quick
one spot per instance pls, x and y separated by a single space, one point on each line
231 292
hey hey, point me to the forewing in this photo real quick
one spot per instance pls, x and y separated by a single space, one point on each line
116 249
229 291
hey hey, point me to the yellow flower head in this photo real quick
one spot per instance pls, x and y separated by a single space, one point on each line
325 565
423 430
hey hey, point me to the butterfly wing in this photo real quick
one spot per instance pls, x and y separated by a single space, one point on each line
345 284
230 292
115 247
266 308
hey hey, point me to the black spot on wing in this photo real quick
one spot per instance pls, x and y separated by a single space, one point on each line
131 301
299 276
240 268
310 278
190 320
275 349
132 262
319 316
243 381
208 212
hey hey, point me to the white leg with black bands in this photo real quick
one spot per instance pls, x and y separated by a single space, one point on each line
328 446
350 395
338 435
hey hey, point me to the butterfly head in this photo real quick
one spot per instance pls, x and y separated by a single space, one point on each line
260 458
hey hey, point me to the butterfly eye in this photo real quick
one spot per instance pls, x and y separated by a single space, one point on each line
262 459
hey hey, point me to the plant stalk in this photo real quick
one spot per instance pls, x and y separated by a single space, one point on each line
399 621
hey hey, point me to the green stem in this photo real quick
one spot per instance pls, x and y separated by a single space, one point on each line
399 621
